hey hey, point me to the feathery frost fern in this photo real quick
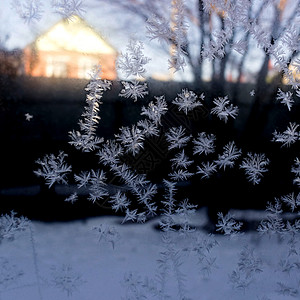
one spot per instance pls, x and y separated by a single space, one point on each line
134 194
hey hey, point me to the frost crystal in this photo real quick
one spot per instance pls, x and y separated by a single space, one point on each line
227 224
119 201
185 210
230 154
288 137
252 93
68 8
180 174
286 98
133 90
215 48
274 222
65 279
179 29
172 31
82 179
97 189
248 265
133 61
159 28
291 200
223 109
155 111
28 116
54 169
254 166
9 274
181 160
131 138
28 10
176 137
10 225
296 170
72 198
149 129
206 169
107 233
286 290
186 101
239 46
204 143
110 153
86 139
131 215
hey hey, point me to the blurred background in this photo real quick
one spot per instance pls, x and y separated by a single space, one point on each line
48 50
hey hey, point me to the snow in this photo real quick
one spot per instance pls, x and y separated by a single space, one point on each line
102 265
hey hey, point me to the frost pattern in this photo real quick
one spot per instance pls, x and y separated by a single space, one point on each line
187 101
131 138
254 165
10 225
108 234
174 31
248 266
181 160
159 28
227 225
130 141
65 279
228 157
28 10
204 143
206 169
179 29
110 153
155 111
119 201
132 63
53 169
9 273
180 175
97 188
28 117
86 139
72 198
133 90
296 170
177 138
68 8
285 98
223 110
288 137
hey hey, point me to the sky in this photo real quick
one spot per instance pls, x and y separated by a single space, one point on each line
115 26
21 33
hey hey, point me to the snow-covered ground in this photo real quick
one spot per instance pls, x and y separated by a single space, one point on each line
74 261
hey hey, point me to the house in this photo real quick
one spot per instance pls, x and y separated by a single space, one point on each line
11 62
71 48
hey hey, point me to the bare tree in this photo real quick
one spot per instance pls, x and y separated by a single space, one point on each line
220 29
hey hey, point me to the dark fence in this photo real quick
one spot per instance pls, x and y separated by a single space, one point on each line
56 106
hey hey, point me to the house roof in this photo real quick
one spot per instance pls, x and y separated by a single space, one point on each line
73 35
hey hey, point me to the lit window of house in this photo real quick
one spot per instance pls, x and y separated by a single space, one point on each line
85 65
57 66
